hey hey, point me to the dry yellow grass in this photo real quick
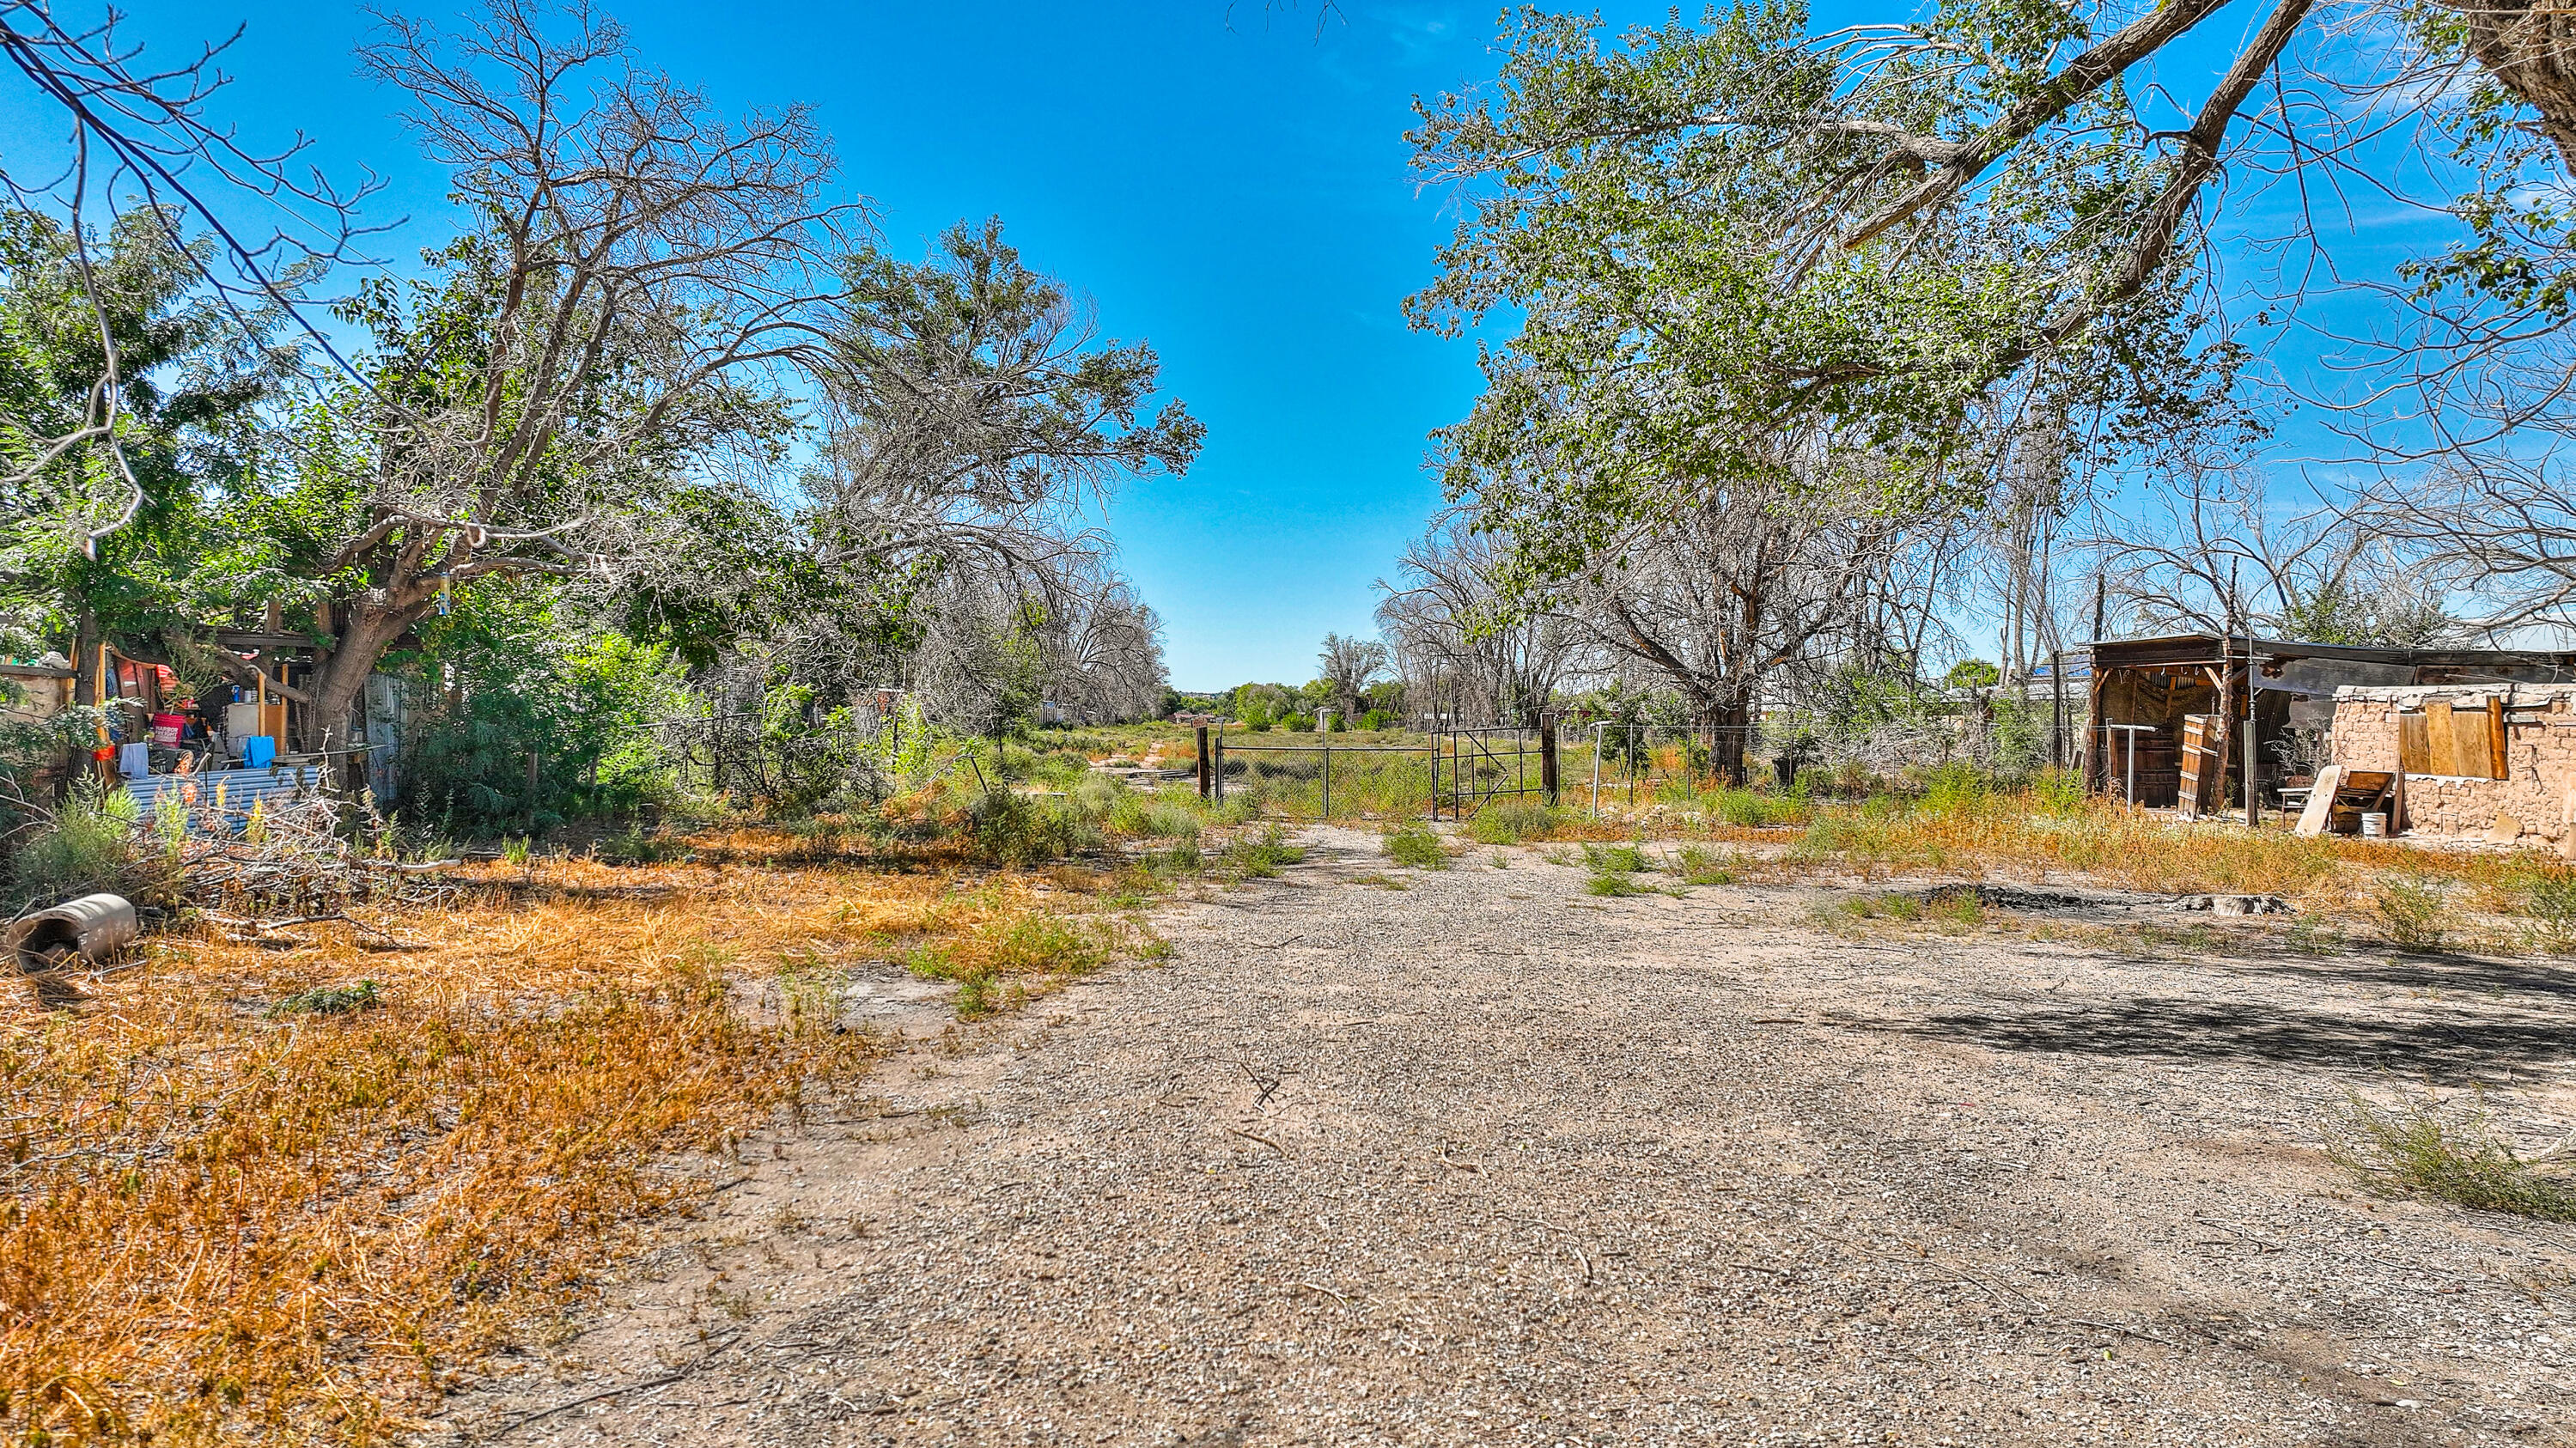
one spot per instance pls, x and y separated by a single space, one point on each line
219 1224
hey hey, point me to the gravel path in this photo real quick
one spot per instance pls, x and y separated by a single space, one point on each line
1488 1160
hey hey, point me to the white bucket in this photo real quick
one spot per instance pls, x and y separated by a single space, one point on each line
2374 826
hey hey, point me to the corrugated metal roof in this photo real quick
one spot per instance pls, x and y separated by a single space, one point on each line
237 790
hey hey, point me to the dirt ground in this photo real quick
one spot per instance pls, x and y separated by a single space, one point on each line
1490 1160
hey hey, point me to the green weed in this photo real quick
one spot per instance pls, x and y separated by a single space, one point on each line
1418 846
1514 821
2418 1152
329 1000
2409 914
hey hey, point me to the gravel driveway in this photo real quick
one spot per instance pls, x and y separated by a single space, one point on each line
1489 1160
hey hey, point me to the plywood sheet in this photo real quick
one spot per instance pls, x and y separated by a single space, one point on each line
2414 756
2440 754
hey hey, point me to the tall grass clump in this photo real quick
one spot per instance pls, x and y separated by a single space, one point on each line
2459 1159
1753 810
1513 821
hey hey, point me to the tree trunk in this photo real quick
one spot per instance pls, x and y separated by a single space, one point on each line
368 627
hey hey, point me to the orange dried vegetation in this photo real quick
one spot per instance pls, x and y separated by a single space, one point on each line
224 1224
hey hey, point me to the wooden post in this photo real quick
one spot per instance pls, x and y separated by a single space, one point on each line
1206 788
2253 766
2057 712
1547 759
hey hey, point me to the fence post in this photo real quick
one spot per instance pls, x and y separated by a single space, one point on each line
1206 788
1547 759
2057 711
1596 769
1220 768
1435 774
1328 778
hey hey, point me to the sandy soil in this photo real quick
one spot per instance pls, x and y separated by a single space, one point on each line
1488 1160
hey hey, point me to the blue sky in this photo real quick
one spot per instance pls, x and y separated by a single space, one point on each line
1228 183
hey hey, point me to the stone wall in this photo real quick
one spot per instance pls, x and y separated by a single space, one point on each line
2540 756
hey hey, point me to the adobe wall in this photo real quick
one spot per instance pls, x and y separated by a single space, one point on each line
2540 756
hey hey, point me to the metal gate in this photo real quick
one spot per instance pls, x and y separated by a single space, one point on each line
1471 768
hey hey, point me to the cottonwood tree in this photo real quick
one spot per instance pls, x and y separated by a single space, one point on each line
1346 666
2215 551
977 412
1457 633
1661 214
1721 599
248 230
975 420
640 272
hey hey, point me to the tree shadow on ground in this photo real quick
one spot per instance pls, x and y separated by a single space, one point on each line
2250 1031
2554 980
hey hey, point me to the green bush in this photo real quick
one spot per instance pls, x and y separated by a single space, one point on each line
1148 817
1260 856
2410 914
2549 903
1014 829
95 842
1617 858
330 1000
1512 821
1419 846
2416 1152
1953 787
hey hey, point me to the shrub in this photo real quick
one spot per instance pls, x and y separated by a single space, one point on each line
330 1000
1417 845
1015 829
1512 821
2058 793
2410 914
1744 807
2415 1152
2549 902
94 843
1260 857
1699 865
1953 787
1376 719
1620 858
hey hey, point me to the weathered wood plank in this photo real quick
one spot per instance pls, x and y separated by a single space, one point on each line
2497 767
2321 800
2414 751
2441 754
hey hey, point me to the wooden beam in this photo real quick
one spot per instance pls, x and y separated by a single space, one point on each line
2497 767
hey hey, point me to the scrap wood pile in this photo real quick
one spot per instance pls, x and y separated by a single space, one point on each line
294 859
